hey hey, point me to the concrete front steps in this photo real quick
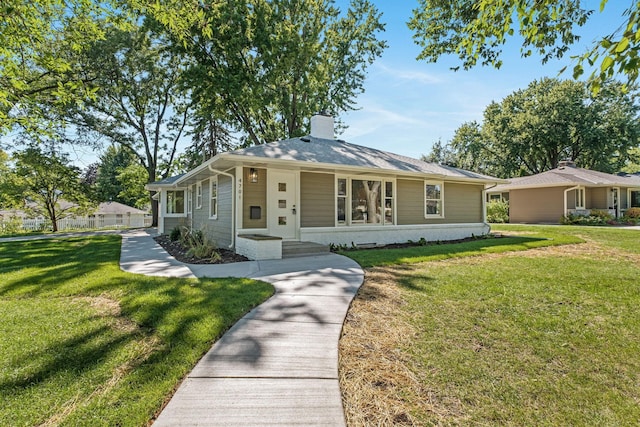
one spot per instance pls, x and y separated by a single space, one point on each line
298 249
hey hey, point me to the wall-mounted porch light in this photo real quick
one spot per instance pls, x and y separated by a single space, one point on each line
253 175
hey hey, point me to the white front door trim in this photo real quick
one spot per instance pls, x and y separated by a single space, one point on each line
282 204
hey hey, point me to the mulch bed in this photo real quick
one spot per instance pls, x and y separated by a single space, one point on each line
179 252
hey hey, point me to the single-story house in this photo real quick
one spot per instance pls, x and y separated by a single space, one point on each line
118 214
319 189
548 196
106 214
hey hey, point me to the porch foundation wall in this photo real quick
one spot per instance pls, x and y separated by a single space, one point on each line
257 249
392 234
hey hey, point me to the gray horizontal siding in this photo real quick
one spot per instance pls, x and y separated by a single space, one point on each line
317 200
462 203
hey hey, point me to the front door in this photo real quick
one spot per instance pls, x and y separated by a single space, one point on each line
281 199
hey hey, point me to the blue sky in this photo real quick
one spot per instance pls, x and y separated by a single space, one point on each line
408 104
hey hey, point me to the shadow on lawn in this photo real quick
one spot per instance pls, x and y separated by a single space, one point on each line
182 317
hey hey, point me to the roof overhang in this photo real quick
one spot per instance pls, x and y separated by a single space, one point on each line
227 161
558 185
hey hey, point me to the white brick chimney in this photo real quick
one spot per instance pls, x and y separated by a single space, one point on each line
322 126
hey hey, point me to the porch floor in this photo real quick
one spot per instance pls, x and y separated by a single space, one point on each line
298 249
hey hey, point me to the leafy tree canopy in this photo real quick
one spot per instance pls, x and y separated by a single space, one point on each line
264 67
475 31
140 105
48 185
121 178
38 68
533 129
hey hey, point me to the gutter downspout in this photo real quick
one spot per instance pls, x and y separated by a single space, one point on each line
484 202
484 206
565 197
233 203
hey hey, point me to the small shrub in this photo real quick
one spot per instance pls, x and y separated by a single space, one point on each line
175 234
601 214
199 244
573 219
338 247
498 211
633 213
11 225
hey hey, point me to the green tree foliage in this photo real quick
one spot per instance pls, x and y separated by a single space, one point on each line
132 180
633 166
139 104
533 129
264 67
39 73
121 178
6 178
48 185
209 137
475 31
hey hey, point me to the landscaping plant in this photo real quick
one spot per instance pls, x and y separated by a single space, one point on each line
498 211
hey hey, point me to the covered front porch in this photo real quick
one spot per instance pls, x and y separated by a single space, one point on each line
586 201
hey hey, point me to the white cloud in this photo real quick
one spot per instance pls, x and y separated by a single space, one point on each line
410 75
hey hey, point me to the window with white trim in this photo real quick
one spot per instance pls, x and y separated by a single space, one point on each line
199 195
634 198
341 203
388 202
213 194
580 198
175 202
190 200
362 201
433 199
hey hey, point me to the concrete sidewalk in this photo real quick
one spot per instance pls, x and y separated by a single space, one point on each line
279 364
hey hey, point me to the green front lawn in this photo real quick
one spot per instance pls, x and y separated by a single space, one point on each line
545 337
530 239
83 343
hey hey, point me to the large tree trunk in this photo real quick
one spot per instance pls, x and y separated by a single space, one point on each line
371 189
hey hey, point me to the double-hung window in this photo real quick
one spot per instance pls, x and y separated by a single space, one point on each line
433 199
634 198
199 195
342 201
213 193
580 198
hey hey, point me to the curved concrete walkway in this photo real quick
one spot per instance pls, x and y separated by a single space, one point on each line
279 364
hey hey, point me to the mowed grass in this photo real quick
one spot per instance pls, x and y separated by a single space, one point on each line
543 337
440 251
83 343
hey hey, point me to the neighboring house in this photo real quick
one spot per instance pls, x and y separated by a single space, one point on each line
318 189
117 214
548 196
106 214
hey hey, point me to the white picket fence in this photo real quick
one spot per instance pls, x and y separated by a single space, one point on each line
83 223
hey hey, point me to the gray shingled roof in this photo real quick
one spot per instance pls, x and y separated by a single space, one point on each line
326 151
310 150
571 176
117 208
